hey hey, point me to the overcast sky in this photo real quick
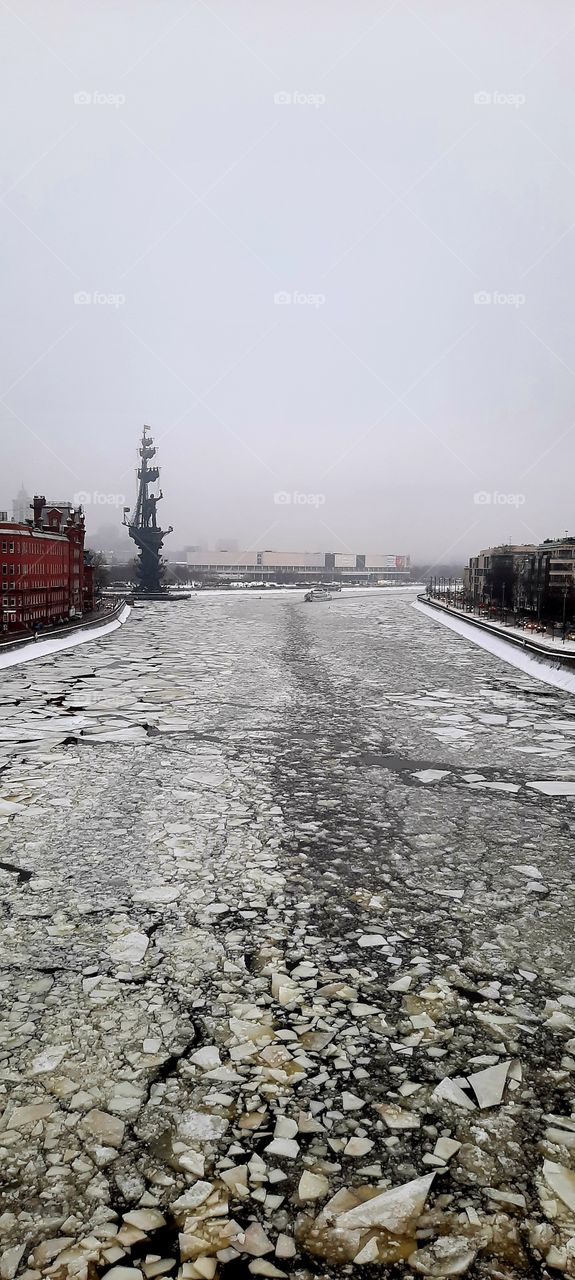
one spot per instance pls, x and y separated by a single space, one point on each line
378 165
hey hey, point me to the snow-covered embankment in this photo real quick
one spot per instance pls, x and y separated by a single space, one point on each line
546 669
33 649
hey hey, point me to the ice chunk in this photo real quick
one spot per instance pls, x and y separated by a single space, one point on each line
561 1180
129 948
160 894
312 1186
431 775
488 1085
448 1256
394 1209
47 1060
553 788
448 1091
285 1147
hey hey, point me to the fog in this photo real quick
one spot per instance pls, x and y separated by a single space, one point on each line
324 249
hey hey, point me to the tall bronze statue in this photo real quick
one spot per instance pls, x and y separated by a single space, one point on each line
143 524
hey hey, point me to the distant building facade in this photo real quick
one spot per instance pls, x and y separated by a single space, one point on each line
21 506
492 576
290 566
530 578
44 574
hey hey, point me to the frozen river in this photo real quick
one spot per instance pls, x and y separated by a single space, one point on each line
287 924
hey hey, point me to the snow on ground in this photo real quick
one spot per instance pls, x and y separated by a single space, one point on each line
541 669
57 644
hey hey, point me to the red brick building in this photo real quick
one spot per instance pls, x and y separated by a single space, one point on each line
44 576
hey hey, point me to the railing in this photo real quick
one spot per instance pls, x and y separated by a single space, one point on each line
505 614
98 618
564 657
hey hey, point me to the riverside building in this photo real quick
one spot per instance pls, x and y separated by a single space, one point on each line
45 577
537 579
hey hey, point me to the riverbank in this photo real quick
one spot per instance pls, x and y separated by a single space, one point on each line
27 648
552 662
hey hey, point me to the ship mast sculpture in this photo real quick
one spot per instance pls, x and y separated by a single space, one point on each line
143 526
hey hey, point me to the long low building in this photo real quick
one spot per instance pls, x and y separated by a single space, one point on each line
286 566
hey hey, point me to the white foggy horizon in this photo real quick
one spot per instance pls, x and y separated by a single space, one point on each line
323 251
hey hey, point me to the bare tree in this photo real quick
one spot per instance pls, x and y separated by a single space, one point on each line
101 575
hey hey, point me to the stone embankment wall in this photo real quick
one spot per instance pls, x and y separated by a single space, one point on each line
557 656
26 648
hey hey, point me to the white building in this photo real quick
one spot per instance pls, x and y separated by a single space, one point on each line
274 566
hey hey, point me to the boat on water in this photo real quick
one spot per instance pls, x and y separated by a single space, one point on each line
318 593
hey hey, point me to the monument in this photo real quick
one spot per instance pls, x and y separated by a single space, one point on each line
144 529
